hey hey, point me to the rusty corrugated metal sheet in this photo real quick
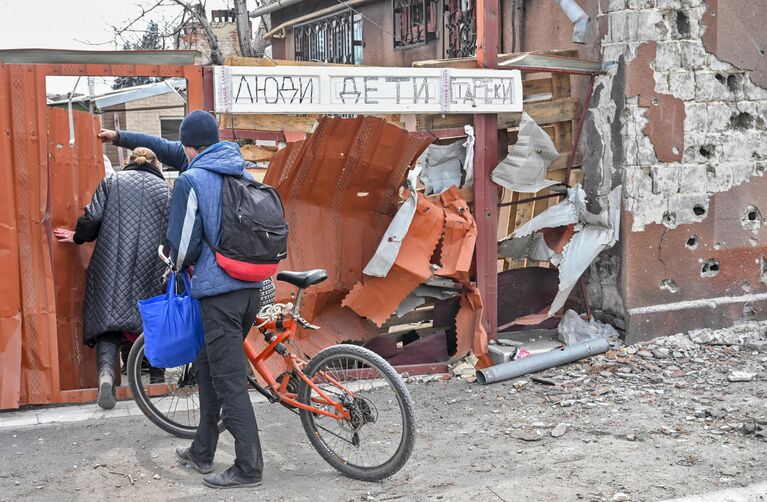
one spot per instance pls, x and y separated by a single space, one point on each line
340 190
39 373
378 297
10 289
77 171
45 183
449 228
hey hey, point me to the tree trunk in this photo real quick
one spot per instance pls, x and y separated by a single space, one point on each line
243 28
260 43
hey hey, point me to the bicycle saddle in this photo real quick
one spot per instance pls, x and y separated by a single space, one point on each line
303 279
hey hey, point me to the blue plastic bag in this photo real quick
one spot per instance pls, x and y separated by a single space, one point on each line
173 333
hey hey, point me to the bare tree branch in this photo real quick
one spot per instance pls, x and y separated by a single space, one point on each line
194 11
119 31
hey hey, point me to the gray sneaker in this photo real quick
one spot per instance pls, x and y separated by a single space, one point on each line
230 479
185 456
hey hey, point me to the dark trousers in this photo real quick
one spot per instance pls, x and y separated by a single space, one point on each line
222 379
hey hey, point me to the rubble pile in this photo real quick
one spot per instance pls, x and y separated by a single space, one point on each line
688 376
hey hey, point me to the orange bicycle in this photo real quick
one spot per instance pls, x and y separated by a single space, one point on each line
354 407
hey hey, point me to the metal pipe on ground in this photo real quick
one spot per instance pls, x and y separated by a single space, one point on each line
540 362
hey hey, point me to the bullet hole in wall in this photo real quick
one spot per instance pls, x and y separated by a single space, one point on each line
669 285
710 268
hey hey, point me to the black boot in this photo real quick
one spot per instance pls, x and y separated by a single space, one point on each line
124 353
156 375
107 347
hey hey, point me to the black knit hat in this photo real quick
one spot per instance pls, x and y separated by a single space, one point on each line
199 128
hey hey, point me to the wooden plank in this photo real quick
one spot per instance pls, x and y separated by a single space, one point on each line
543 112
268 122
560 85
273 122
535 86
257 153
561 163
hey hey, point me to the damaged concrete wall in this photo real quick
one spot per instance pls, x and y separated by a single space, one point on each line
683 129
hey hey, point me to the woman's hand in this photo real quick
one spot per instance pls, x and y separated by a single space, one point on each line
64 235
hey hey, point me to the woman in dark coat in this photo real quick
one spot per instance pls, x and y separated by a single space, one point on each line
128 218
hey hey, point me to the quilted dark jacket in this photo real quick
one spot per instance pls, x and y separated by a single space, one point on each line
128 218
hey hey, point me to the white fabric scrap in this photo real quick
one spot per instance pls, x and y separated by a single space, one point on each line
524 168
388 249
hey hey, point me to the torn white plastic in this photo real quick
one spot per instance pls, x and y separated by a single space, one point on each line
388 249
524 168
531 247
567 212
599 233
468 165
443 167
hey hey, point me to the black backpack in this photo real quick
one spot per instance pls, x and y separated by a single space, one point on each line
254 234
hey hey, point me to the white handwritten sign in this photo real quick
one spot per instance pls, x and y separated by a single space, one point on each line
365 89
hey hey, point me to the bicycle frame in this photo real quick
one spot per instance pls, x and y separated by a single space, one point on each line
278 391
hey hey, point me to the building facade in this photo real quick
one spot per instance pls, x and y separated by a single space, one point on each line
678 120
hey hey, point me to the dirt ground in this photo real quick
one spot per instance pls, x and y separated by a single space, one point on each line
648 422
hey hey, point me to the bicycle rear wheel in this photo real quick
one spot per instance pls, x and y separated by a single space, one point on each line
178 410
378 438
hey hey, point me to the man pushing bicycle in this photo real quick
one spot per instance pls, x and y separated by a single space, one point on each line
229 305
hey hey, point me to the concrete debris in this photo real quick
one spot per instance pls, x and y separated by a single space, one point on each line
757 345
621 497
529 436
736 335
464 368
524 168
740 376
559 430
502 353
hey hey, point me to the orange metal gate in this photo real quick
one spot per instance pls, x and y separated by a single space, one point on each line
44 183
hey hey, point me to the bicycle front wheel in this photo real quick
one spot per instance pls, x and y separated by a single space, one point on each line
378 437
176 407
